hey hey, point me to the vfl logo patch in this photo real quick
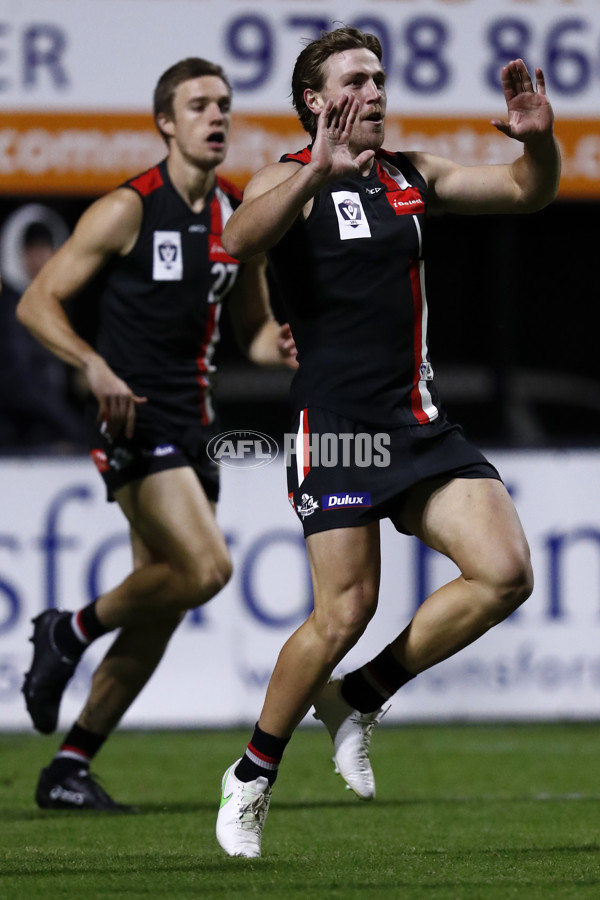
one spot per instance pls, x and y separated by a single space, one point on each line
167 261
351 212
345 501
351 217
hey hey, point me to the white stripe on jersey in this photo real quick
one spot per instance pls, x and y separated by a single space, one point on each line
395 174
225 204
300 448
429 408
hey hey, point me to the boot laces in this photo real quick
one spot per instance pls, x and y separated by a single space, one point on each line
253 811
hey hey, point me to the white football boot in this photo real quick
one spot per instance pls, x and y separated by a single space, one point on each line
350 732
242 813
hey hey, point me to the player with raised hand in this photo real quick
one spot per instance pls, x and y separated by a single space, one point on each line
344 222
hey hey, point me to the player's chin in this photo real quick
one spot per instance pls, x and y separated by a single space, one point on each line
212 156
372 139
218 148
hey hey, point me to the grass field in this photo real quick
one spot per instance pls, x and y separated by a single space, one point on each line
473 811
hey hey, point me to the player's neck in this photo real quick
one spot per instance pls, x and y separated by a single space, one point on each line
191 182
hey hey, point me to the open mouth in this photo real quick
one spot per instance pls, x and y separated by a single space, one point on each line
374 117
216 137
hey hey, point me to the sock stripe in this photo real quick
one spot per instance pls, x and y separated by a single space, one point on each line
374 679
78 628
260 759
67 752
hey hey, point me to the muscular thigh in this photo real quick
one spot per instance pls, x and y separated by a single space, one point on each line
170 517
473 521
142 554
345 561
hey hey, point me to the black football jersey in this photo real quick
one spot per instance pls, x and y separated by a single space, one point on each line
352 279
160 304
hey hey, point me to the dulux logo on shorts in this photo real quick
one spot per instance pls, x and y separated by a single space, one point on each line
337 501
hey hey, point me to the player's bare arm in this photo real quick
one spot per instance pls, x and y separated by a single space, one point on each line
279 193
257 332
273 199
527 184
109 227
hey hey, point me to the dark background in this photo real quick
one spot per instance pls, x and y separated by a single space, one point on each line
514 316
513 329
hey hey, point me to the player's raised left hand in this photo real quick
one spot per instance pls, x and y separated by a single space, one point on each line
530 114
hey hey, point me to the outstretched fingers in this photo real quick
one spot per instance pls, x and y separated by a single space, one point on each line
516 79
348 114
338 118
540 82
524 76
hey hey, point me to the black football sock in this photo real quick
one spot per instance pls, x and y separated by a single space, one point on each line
369 687
77 750
72 634
262 757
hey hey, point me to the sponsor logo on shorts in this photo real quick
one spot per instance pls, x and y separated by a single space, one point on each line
307 506
345 501
164 450
242 449
100 460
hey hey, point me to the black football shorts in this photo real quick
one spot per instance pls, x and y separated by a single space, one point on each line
156 445
342 474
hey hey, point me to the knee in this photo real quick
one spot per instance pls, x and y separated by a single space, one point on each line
210 576
341 624
513 584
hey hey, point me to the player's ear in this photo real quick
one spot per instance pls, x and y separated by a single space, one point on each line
313 100
165 124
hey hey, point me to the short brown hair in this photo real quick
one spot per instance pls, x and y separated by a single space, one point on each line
309 71
169 81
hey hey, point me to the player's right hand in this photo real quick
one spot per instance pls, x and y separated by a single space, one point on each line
331 155
116 401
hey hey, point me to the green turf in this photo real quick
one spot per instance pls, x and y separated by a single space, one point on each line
470 811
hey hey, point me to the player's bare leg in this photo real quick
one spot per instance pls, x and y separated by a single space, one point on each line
122 674
474 523
345 565
171 514
130 661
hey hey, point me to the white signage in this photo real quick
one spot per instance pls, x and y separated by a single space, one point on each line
441 56
62 544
